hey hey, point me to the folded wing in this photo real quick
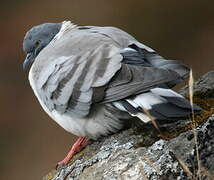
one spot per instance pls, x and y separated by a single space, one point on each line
101 65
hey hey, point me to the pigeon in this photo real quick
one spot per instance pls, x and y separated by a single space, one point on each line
95 81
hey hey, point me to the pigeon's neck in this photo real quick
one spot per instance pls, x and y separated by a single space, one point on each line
66 26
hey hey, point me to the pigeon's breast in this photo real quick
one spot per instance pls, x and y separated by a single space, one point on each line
92 126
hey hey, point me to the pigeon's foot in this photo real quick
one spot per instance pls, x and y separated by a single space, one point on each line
77 146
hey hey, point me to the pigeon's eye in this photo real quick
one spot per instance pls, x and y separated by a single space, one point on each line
37 43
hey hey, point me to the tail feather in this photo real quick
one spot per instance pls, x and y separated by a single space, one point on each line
174 98
162 104
171 111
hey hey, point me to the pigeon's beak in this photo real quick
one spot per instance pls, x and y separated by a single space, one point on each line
28 60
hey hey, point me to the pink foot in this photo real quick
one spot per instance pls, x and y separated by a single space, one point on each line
80 143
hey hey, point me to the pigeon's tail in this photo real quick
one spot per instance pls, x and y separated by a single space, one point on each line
159 104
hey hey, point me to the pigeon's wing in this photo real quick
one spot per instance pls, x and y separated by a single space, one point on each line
140 54
71 67
142 68
87 67
132 80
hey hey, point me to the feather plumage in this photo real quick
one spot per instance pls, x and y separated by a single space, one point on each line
90 78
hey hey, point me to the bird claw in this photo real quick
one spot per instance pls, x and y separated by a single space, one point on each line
80 143
59 165
64 162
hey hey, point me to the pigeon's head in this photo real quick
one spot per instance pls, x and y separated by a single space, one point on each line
37 38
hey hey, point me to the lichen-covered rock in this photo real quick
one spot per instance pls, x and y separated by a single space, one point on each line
205 141
146 153
204 87
206 145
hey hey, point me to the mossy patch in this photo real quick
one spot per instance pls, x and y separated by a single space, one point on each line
207 104
209 94
50 175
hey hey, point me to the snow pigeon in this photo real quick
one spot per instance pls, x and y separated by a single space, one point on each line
94 81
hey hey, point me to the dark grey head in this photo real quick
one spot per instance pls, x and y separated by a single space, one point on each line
37 38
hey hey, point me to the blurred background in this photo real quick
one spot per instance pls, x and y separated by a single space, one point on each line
30 142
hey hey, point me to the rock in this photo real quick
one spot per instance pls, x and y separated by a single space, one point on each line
148 153
205 141
204 87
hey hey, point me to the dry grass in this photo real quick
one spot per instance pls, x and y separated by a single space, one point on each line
191 83
207 173
152 119
185 168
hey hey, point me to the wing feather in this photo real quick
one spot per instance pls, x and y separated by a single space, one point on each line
142 79
66 83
